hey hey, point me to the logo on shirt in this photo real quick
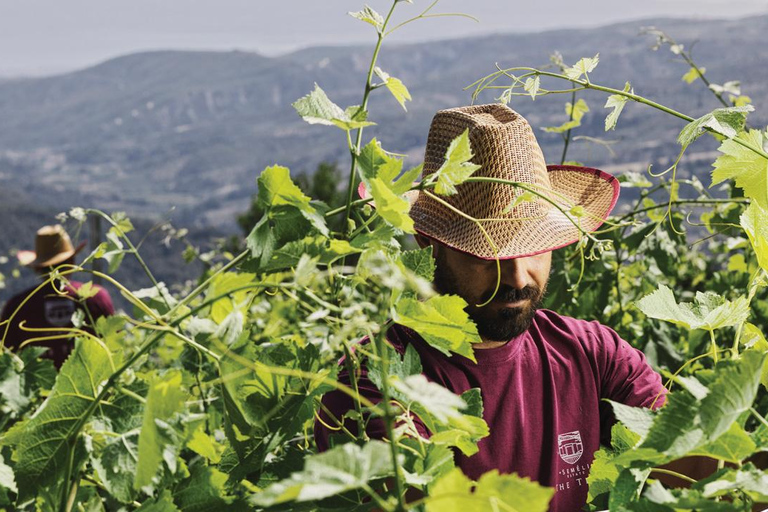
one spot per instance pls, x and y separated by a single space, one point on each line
58 312
569 446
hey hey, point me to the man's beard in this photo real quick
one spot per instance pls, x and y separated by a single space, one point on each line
493 324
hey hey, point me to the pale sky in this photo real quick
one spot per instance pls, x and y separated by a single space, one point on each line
40 37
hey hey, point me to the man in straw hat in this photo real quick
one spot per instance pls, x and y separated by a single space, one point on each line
543 377
52 306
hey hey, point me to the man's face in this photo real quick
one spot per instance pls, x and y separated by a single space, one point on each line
522 287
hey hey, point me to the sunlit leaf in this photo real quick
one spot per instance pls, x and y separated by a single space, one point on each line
457 166
748 169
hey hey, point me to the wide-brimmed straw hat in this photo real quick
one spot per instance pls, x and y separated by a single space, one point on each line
574 198
52 246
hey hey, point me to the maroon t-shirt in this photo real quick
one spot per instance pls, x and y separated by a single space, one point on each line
541 394
49 309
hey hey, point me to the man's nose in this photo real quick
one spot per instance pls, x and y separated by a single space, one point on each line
514 272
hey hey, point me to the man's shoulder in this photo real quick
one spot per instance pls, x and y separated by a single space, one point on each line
587 332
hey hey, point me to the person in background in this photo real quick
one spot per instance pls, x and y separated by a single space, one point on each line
53 305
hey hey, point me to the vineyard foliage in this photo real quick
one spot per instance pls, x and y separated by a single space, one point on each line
206 400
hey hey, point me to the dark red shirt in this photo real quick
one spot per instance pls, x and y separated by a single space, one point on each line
542 396
49 309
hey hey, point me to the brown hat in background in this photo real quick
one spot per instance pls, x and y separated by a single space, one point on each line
52 247
505 147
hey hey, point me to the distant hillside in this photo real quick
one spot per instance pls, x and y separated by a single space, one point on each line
152 132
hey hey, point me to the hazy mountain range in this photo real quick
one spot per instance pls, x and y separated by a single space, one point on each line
189 132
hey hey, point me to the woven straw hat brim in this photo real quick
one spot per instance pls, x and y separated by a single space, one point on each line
595 191
29 258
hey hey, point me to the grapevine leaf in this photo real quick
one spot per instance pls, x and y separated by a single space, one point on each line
317 108
637 419
6 476
399 367
753 337
709 311
732 87
165 397
338 470
392 208
575 113
733 446
602 474
754 221
420 262
457 166
454 493
627 487
44 441
582 67
748 479
441 403
724 121
463 432
163 503
116 466
532 85
396 87
731 393
370 16
442 322
747 168
693 74
616 102
203 491
281 198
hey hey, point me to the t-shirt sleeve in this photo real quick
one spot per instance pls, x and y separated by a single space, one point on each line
336 403
625 377
100 304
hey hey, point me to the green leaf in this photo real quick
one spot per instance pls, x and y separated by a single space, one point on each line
532 85
637 419
44 441
731 393
277 190
116 466
163 503
602 474
748 480
616 102
463 432
203 491
165 398
396 87
693 74
582 67
734 446
457 166
420 262
754 221
454 493
748 169
317 108
442 322
392 208
7 480
724 121
205 445
441 403
338 470
709 311
369 16
575 113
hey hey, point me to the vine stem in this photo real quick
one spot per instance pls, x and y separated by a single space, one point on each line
567 136
388 418
675 474
132 249
355 150
586 84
